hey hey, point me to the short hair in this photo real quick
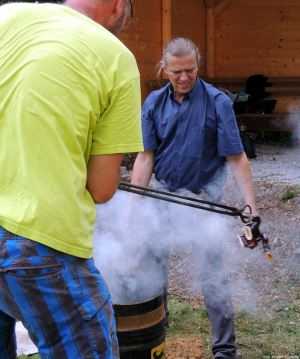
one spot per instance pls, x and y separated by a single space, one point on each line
178 47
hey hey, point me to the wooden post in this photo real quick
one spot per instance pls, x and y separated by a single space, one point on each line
210 38
221 6
166 21
213 9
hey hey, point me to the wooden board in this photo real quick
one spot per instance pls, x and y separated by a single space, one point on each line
144 39
282 122
258 37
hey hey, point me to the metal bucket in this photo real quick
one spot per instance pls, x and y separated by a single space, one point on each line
141 329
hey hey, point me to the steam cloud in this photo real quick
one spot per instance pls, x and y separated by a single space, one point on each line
294 123
132 232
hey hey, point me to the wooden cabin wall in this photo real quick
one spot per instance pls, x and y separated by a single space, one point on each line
144 38
258 36
189 20
249 37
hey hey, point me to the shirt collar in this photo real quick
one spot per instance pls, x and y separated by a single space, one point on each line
190 95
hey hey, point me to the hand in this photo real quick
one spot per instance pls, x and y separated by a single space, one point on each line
251 233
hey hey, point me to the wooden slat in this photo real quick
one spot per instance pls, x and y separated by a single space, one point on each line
289 104
279 122
166 21
143 38
221 6
227 32
258 36
275 87
266 3
210 3
210 60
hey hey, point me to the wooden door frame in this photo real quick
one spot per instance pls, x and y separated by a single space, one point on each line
213 9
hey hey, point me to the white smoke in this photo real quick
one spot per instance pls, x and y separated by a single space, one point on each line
133 232
294 123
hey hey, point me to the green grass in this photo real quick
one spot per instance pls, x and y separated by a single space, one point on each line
185 319
258 335
290 193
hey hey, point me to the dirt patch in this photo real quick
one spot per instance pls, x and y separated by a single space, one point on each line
183 347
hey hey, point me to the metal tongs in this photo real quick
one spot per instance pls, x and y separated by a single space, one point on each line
246 218
251 235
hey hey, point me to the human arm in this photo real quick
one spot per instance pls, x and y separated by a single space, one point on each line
143 168
117 129
239 164
144 162
251 235
103 176
242 173
231 147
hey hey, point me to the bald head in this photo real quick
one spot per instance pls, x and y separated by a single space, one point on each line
112 14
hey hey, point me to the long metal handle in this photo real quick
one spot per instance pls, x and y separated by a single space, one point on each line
183 200
200 204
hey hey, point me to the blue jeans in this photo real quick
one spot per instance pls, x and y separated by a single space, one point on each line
61 300
217 296
7 337
210 274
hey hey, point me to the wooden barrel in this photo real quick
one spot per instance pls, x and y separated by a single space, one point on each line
141 329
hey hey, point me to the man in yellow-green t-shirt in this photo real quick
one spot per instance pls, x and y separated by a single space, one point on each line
69 109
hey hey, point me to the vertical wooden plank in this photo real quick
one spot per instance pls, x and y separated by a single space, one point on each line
210 3
189 20
221 6
213 9
258 36
166 21
144 39
210 55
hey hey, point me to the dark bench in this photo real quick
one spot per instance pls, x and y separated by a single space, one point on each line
274 122
275 85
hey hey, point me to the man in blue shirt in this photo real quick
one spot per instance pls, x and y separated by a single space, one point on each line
190 134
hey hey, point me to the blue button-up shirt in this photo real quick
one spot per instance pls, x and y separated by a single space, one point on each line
192 139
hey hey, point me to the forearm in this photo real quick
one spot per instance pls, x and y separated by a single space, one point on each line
141 175
103 176
142 169
243 176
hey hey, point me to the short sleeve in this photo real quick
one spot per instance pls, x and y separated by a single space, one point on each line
118 130
148 126
229 140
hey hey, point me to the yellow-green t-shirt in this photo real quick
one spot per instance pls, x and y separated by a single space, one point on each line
68 89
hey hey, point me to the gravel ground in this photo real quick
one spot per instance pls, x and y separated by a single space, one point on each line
275 171
277 163
258 285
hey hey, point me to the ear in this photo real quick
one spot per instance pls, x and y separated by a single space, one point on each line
109 12
117 8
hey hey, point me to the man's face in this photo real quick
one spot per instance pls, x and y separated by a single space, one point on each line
182 72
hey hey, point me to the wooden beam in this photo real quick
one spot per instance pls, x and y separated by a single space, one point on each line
210 39
213 9
210 3
166 21
221 6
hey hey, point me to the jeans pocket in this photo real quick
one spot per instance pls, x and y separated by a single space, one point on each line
27 270
99 323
